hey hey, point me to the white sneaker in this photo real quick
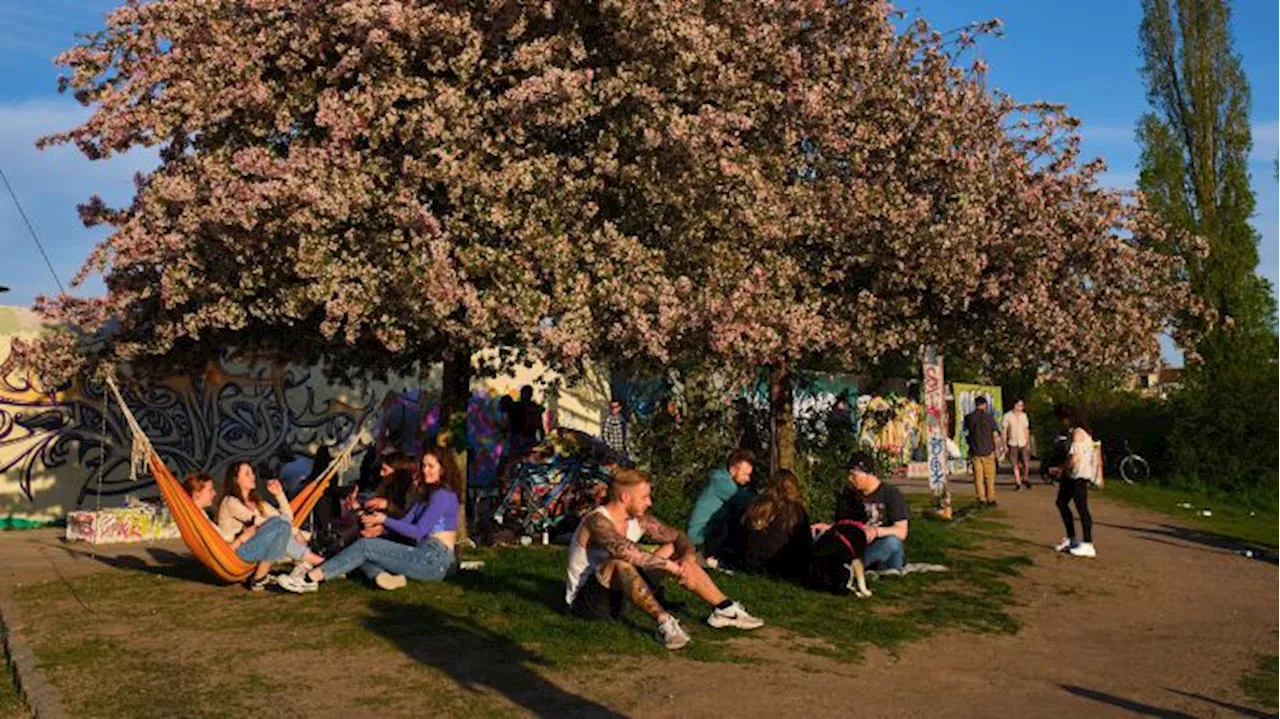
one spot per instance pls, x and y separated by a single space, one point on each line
671 634
470 565
1084 549
1065 545
300 570
389 581
734 615
297 586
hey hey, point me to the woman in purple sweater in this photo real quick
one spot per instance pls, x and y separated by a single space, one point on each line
421 544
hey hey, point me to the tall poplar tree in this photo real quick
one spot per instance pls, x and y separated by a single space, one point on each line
1194 171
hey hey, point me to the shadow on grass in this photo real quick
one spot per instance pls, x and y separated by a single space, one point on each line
1207 539
476 658
163 563
1146 710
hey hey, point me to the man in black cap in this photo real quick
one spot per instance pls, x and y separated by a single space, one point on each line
882 510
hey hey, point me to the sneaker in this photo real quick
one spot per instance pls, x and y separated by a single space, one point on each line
470 565
1065 545
671 634
300 570
389 581
993 504
734 615
1084 549
258 585
297 586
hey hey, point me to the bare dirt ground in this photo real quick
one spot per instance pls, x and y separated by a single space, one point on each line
1163 623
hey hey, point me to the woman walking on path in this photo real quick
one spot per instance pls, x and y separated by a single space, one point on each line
1080 470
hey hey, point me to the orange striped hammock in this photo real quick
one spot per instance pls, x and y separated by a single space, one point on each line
200 534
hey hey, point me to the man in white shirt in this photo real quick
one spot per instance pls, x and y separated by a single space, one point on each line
1017 438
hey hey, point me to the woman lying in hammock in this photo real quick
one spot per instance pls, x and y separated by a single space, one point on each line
263 543
419 546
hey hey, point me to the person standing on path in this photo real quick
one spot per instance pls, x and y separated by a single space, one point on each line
980 428
1080 471
614 429
1017 439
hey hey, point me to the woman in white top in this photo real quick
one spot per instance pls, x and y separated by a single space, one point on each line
1080 471
242 507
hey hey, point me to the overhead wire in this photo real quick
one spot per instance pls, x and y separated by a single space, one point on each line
32 230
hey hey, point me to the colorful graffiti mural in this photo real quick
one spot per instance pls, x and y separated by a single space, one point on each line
965 397
139 522
197 423
891 424
935 408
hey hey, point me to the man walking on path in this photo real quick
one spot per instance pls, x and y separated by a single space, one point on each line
1017 439
983 437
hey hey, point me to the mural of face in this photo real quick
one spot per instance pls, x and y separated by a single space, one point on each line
430 469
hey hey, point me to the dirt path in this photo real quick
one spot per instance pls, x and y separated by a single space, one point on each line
1158 625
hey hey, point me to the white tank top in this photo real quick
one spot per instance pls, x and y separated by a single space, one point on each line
584 561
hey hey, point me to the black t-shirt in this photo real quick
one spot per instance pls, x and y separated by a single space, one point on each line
882 508
980 428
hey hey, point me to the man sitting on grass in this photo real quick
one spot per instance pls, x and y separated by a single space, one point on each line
882 510
607 568
717 513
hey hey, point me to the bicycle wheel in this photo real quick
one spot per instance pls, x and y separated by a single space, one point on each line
1134 469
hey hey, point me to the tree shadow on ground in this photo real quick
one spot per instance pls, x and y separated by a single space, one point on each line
163 563
1127 704
1237 708
1207 539
539 589
477 658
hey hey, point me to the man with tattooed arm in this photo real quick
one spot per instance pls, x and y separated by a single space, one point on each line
607 567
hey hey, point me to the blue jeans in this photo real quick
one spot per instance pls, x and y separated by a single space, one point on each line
430 561
269 544
885 553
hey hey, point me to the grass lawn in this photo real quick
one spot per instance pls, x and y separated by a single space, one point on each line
11 706
164 641
1229 520
1263 683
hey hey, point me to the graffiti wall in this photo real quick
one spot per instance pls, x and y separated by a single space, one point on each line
68 449
965 397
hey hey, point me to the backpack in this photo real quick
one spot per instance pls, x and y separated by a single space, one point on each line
831 560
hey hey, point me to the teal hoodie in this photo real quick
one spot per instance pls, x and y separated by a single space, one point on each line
717 501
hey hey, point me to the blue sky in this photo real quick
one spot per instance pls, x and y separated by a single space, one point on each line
1080 52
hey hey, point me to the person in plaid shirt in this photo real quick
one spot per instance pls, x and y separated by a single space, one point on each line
613 430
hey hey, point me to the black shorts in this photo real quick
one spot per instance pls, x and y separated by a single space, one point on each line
597 602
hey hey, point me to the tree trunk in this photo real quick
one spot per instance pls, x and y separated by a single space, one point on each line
782 430
455 393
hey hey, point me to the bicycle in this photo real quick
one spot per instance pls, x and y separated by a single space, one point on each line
1133 468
